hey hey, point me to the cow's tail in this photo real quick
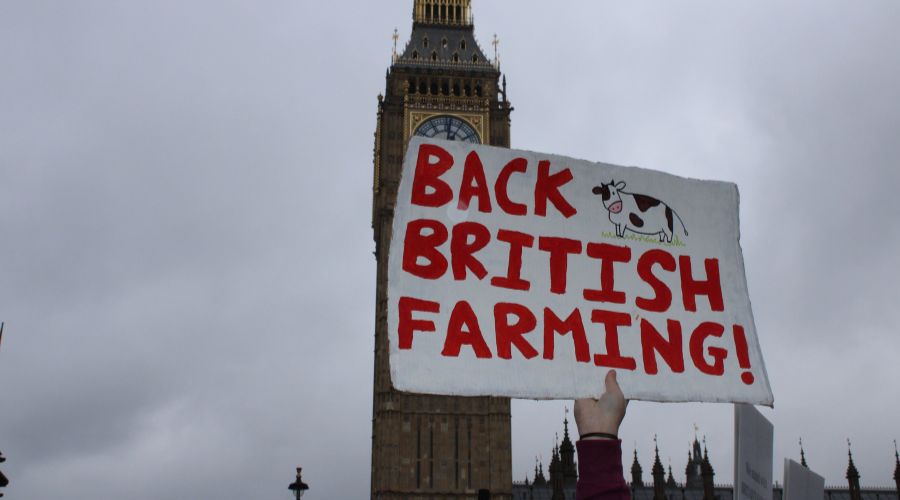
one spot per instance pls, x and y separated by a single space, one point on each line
682 222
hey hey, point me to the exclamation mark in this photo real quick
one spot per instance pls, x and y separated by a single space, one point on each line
740 345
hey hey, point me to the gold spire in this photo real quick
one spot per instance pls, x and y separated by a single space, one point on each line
395 37
496 43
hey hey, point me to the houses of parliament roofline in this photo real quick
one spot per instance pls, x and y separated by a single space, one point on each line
699 481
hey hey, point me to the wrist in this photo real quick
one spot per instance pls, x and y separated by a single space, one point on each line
602 426
591 436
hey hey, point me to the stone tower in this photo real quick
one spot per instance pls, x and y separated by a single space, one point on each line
692 472
440 85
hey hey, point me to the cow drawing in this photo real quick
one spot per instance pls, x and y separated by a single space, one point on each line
638 213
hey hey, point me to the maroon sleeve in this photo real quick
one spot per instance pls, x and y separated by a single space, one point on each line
600 474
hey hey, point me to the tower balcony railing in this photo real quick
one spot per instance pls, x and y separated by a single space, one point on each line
442 63
448 102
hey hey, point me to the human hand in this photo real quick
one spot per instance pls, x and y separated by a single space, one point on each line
602 415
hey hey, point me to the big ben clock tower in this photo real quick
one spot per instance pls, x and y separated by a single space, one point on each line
441 85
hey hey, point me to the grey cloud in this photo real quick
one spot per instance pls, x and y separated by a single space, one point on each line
187 276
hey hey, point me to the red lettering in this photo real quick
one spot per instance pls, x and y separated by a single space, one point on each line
743 356
502 186
670 350
508 334
691 288
613 357
608 255
428 175
408 325
463 329
513 279
560 249
462 250
474 184
663 296
417 244
573 324
547 188
718 354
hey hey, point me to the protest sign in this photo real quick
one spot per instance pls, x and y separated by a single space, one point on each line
801 483
521 274
753 440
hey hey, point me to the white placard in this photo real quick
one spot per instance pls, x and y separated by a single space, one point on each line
753 441
800 483
521 274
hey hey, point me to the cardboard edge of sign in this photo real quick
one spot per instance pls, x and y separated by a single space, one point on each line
411 388
769 401
739 258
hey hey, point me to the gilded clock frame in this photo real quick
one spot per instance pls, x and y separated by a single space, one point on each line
477 121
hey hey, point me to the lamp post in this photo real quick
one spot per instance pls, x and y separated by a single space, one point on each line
298 487
3 480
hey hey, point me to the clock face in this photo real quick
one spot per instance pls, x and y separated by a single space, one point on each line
449 128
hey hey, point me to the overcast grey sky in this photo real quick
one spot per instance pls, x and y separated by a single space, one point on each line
187 276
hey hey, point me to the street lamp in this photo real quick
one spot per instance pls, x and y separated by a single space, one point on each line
3 480
298 487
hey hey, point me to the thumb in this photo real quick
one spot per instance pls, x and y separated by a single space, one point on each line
611 383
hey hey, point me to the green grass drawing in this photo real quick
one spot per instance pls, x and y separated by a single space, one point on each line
652 239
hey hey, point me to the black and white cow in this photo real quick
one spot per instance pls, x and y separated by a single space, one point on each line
638 213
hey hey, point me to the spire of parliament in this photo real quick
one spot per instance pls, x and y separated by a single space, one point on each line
897 467
567 455
802 455
852 475
708 475
659 474
637 472
670 480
